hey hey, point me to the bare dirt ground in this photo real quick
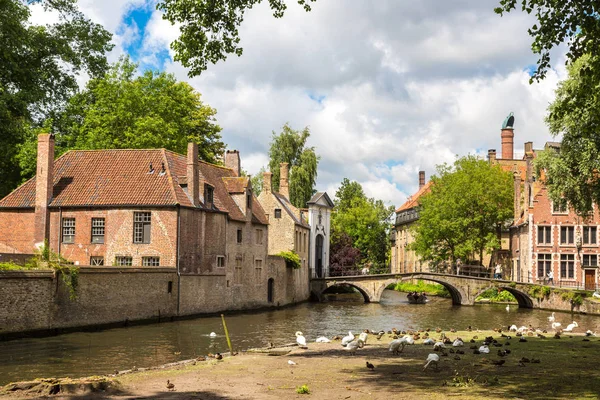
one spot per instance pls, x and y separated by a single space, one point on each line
567 369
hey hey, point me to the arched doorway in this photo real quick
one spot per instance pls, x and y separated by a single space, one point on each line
319 256
271 290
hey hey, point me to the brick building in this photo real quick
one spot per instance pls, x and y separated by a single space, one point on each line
153 209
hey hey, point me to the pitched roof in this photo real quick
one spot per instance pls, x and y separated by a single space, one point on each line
291 210
236 184
84 178
413 200
321 195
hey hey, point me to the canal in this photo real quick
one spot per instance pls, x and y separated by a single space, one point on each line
94 353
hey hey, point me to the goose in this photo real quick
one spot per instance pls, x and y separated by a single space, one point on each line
458 343
347 339
551 318
170 386
301 340
322 339
212 334
432 358
556 325
571 326
354 345
484 349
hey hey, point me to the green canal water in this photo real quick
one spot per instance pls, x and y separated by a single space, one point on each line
93 353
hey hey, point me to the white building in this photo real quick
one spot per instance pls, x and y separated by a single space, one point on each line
319 219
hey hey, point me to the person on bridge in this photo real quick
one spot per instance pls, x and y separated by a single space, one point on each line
498 271
550 278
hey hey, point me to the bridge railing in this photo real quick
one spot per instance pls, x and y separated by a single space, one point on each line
354 270
569 284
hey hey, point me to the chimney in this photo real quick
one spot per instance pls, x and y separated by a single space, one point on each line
284 189
528 147
193 181
267 176
507 135
421 179
44 182
232 161
492 156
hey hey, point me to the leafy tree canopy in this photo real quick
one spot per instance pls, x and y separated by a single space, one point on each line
290 146
40 64
461 215
209 28
121 110
364 220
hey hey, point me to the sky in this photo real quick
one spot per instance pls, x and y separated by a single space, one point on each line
386 87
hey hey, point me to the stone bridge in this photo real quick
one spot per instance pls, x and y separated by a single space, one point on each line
463 289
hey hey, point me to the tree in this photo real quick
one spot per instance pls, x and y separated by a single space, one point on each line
342 254
121 110
572 173
209 28
365 221
40 65
460 217
289 146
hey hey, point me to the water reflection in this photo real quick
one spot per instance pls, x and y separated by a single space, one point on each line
91 353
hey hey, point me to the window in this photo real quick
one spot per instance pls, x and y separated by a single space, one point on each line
96 260
170 287
278 213
567 234
239 236
544 265
237 273
589 235
208 194
567 266
141 227
123 261
249 200
259 236
97 230
544 234
257 271
220 262
590 260
150 261
559 207
68 230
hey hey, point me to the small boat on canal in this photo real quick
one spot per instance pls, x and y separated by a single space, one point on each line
416 298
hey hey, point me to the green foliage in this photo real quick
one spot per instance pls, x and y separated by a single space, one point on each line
365 220
539 292
429 288
292 259
257 181
123 111
209 28
576 298
45 258
558 22
461 215
289 146
9 266
303 389
40 65
495 296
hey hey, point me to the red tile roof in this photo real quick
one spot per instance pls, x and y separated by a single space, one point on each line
122 178
237 184
414 199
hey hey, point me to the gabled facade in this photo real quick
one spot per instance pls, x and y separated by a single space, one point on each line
319 219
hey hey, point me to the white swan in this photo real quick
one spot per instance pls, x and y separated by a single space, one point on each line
484 349
556 325
397 346
596 294
551 318
363 336
301 340
347 339
429 341
322 339
508 307
458 343
439 345
590 333
432 358
570 327
353 346
212 334
513 328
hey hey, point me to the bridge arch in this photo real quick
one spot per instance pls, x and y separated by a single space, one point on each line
455 293
361 289
523 298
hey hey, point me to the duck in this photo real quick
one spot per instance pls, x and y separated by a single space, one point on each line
347 339
551 318
571 326
218 356
498 362
322 339
170 386
432 358
370 366
354 345
300 339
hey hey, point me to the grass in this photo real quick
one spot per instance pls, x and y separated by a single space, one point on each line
429 288
303 389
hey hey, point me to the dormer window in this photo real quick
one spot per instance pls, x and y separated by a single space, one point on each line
208 194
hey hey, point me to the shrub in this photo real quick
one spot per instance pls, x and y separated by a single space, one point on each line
303 389
292 259
429 288
493 295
